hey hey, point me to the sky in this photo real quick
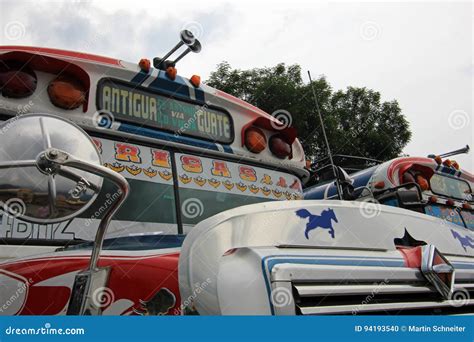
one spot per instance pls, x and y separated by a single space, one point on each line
420 54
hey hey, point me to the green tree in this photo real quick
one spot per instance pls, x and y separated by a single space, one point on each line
357 121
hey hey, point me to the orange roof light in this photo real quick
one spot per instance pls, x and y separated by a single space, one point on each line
145 65
379 185
447 163
433 199
255 140
195 80
171 72
455 164
422 182
438 160
450 202
66 92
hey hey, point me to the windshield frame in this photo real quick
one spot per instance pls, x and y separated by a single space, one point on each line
453 178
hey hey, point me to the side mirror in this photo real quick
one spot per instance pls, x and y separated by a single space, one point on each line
345 182
51 171
343 176
35 186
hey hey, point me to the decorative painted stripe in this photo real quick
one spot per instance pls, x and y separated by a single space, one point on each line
155 134
448 170
64 53
200 95
154 74
139 78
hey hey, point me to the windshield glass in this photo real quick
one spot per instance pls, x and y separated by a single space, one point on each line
209 186
450 187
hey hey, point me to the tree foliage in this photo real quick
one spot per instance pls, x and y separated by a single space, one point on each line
357 122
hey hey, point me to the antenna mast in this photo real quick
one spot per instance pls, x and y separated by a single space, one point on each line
338 186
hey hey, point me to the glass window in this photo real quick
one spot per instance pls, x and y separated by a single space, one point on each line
150 206
209 186
450 187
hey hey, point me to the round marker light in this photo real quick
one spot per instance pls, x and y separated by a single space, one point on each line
67 93
447 163
255 140
467 206
450 202
279 147
195 80
379 185
17 82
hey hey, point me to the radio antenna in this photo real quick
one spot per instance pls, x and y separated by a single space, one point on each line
338 186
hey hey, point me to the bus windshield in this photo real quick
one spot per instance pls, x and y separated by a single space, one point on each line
449 187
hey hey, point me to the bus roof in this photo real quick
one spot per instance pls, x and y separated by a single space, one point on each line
103 76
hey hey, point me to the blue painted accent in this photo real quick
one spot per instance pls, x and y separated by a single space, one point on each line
324 220
139 78
176 88
448 170
323 260
156 134
200 95
360 178
466 241
392 203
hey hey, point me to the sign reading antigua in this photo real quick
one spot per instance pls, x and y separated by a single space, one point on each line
129 103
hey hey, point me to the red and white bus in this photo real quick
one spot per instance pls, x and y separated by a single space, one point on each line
188 151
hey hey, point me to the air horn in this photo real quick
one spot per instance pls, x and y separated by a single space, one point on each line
452 153
188 39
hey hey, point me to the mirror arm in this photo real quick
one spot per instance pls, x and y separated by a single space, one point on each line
77 178
17 163
123 189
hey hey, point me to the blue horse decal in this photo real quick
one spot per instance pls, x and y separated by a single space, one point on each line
466 241
324 220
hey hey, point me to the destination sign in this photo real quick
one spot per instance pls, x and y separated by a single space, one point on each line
149 109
